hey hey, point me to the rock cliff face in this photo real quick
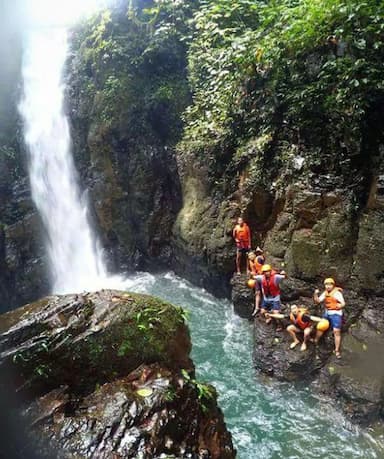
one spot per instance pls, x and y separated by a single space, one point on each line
159 203
23 276
308 182
127 90
176 203
108 375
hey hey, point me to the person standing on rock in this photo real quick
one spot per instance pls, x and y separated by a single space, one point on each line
334 303
242 237
256 261
268 285
301 322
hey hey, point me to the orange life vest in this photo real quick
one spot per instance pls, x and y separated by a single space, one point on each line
298 319
270 287
242 233
258 265
330 301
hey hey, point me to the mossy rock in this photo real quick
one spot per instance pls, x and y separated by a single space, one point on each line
81 340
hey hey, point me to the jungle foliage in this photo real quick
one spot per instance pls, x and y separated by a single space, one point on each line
130 67
297 83
275 80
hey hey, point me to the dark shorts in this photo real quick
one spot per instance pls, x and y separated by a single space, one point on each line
243 249
271 305
335 320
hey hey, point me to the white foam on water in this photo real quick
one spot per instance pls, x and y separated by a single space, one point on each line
76 260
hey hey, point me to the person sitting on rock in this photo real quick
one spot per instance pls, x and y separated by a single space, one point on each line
301 322
268 285
256 261
334 303
242 237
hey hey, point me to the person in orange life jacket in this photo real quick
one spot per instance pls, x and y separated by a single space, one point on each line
256 260
242 237
268 285
302 322
334 303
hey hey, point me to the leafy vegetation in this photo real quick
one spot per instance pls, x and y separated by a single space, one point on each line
205 392
306 75
278 88
130 70
151 327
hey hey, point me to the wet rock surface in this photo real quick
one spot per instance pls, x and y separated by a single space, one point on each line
243 297
22 274
124 136
273 356
107 375
357 380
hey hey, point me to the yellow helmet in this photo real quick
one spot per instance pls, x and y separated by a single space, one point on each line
266 268
329 280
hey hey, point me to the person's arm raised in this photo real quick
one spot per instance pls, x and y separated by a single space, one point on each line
315 318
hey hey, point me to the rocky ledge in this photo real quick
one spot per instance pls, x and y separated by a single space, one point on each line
356 382
105 375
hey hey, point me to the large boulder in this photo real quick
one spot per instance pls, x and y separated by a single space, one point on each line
357 380
273 356
106 374
243 297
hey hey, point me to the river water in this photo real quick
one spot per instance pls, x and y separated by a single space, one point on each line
268 419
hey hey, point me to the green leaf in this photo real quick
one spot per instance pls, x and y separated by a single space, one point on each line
144 392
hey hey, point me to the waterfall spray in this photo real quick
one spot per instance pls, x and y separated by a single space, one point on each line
74 253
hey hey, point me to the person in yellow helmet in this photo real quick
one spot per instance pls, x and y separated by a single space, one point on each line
334 304
268 286
301 322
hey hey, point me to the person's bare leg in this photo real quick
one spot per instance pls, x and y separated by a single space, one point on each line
337 335
319 334
307 333
291 329
238 261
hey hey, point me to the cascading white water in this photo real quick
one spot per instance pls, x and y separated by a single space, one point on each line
76 260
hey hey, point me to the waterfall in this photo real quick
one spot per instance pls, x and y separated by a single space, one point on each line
75 257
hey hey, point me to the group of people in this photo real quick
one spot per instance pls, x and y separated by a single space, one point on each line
266 283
